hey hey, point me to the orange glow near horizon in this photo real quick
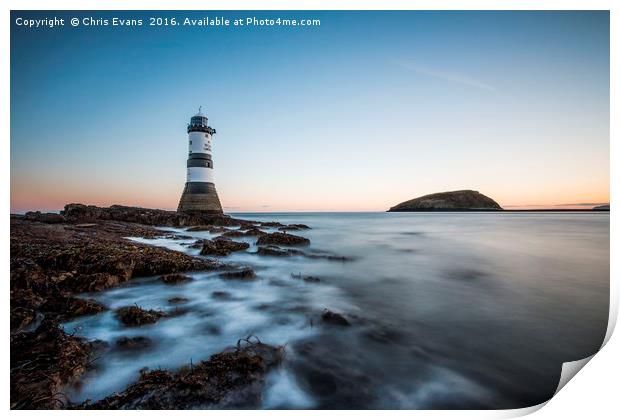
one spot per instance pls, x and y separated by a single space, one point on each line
41 196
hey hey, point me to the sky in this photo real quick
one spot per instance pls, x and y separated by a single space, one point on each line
367 110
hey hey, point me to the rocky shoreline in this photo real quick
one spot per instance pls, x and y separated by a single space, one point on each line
54 257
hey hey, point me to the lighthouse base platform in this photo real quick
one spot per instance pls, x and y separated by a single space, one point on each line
200 197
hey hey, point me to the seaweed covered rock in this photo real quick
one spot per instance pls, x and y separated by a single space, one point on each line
334 318
200 228
244 273
66 307
307 279
294 226
276 251
42 362
37 216
279 238
222 246
79 213
177 300
234 378
131 344
175 278
254 231
134 316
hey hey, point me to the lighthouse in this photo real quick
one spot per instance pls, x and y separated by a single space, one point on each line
199 194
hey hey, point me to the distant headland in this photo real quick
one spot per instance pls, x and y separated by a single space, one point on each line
468 200
462 200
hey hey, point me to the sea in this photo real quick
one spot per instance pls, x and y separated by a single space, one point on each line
474 310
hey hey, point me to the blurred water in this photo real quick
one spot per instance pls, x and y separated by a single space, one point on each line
448 310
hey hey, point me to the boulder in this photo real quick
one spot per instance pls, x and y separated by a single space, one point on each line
463 200
37 216
307 279
334 318
177 300
66 307
133 343
222 246
278 238
294 226
276 251
175 278
133 316
199 228
245 273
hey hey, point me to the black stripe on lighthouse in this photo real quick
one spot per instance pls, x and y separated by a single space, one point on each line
197 162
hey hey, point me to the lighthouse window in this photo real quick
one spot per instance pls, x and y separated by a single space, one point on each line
190 142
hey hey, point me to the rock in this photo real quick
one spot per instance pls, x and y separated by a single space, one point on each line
37 216
233 378
133 343
197 245
232 234
276 251
199 228
464 200
133 316
271 224
218 229
177 300
221 295
222 246
66 307
80 213
254 232
334 318
245 273
174 278
604 207
294 226
307 279
42 363
278 238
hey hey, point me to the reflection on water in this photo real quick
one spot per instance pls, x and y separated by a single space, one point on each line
448 310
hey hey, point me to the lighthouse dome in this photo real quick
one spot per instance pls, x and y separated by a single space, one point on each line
200 122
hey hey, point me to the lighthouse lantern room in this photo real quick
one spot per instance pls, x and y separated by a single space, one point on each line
199 194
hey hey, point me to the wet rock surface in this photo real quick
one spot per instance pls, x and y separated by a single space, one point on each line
244 273
307 279
230 379
334 318
134 316
222 246
41 362
66 307
80 213
278 238
276 251
84 249
177 300
54 261
175 278
294 226
133 343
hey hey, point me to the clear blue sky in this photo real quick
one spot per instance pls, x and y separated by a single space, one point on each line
363 112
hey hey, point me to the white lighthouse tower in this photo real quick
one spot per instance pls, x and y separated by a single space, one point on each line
199 194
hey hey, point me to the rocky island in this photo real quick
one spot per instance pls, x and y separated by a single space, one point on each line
462 200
